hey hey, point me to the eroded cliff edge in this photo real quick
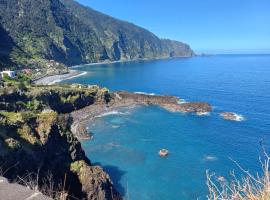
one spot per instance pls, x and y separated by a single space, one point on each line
40 127
36 141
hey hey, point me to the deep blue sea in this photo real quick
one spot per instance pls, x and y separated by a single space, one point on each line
126 143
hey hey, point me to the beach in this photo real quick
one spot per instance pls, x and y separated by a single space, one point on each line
50 80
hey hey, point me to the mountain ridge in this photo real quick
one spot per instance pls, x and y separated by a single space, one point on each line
72 34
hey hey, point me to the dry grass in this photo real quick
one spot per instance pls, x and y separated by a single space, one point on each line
249 187
46 186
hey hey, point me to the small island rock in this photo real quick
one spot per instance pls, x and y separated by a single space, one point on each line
163 152
232 116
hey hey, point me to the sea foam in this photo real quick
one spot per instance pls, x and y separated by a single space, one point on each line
66 78
152 94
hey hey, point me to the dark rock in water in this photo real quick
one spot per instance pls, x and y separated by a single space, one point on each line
163 152
170 103
232 116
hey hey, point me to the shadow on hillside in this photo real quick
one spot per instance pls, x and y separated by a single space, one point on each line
6 46
116 175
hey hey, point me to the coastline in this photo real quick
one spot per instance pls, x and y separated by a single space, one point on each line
50 80
53 79
131 60
123 99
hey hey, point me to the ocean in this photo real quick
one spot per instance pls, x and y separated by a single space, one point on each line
126 142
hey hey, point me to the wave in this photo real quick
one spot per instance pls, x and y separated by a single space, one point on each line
210 158
66 78
75 66
203 113
152 94
116 126
239 117
78 75
114 112
181 101
232 116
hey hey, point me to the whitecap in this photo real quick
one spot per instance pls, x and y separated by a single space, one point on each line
152 94
112 144
203 113
114 112
66 78
240 118
116 126
232 116
210 158
78 75
181 101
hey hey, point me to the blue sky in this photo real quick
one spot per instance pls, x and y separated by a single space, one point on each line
213 26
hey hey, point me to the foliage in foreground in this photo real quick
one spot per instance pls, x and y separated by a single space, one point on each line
249 187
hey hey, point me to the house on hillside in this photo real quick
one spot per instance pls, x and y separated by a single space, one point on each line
11 74
27 71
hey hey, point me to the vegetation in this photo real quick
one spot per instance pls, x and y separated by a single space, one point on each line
249 187
33 110
36 31
77 166
35 136
21 79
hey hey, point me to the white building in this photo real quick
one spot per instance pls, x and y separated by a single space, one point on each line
11 74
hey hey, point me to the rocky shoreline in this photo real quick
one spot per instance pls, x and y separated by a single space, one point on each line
123 99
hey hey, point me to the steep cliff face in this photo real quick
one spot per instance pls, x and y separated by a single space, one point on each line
35 139
65 31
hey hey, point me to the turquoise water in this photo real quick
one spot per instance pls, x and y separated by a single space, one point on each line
126 144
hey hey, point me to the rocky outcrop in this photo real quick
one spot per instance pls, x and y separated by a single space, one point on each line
121 99
93 184
45 144
232 116
37 128
36 141
170 103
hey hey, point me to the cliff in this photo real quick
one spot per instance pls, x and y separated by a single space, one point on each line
40 127
37 147
33 32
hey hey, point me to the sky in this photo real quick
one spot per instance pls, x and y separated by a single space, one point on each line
209 26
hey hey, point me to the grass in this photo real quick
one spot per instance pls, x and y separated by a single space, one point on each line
77 166
12 143
12 117
26 133
44 185
19 79
70 99
45 120
249 187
